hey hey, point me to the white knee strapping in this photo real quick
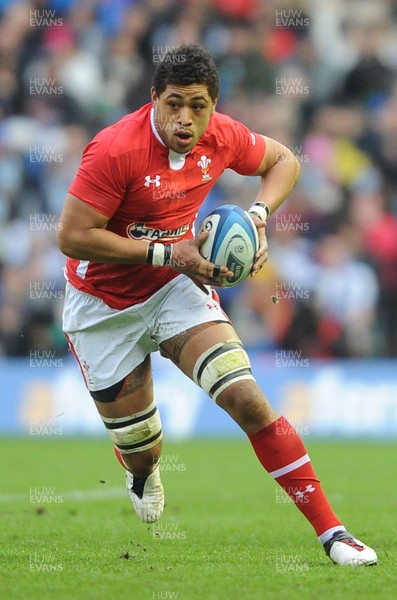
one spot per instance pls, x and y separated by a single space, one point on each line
137 432
220 366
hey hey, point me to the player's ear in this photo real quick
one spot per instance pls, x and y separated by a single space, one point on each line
154 95
214 103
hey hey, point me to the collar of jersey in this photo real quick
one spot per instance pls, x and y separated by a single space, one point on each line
154 130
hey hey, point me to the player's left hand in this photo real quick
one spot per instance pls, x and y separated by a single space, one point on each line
261 255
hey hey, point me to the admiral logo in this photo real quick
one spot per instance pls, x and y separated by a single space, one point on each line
140 231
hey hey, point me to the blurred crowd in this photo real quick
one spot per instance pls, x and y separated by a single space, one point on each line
319 76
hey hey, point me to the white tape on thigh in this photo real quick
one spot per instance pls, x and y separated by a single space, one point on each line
220 366
137 432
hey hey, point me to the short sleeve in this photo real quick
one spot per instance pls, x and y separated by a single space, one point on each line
100 181
247 149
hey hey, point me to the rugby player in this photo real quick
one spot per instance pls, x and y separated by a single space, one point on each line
136 283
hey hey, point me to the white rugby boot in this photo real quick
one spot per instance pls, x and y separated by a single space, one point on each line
147 495
344 549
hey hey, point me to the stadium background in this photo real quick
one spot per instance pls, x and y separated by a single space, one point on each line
320 321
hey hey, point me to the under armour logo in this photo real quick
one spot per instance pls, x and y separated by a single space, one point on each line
155 181
301 494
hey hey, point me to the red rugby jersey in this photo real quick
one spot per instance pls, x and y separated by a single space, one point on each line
151 193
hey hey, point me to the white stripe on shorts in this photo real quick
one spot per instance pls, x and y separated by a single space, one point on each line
291 467
82 268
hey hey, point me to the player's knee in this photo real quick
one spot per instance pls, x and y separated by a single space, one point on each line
221 366
243 401
239 395
224 372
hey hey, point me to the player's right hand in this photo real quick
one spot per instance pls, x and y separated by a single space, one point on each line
187 259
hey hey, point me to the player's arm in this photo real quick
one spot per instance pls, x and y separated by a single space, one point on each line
82 234
279 172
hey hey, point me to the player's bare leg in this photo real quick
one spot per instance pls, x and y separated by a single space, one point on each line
133 423
216 360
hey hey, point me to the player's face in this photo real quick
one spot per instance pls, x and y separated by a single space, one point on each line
181 115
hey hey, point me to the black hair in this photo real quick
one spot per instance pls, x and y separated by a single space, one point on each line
186 65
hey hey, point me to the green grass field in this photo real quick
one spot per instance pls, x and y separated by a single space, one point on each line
68 530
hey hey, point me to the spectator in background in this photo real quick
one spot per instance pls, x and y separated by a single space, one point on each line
377 228
345 297
256 314
370 78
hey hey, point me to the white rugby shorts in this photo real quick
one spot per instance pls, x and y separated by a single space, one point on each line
108 343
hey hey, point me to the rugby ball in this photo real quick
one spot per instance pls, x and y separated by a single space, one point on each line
232 242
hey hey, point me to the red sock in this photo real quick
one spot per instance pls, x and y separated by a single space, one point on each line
282 453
